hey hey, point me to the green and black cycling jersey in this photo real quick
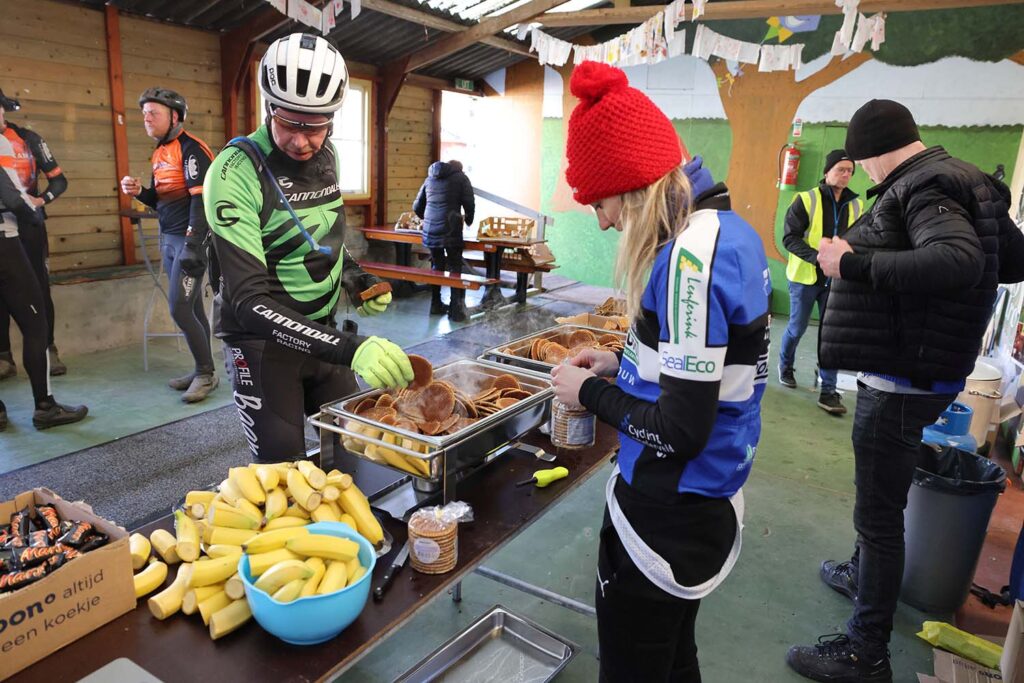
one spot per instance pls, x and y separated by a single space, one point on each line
274 285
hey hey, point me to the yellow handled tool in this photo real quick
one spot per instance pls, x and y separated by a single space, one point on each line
544 477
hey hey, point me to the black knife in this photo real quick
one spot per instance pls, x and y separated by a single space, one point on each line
396 564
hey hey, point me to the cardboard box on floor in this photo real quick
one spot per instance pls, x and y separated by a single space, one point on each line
1012 662
77 598
949 668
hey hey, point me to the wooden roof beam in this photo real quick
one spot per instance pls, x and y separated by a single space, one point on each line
474 34
393 9
752 9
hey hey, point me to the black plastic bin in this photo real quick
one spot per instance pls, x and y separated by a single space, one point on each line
948 511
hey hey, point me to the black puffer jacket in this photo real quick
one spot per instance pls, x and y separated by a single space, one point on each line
443 196
915 296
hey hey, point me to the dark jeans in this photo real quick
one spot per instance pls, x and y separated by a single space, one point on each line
801 302
450 259
33 239
886 442
185 301
644 635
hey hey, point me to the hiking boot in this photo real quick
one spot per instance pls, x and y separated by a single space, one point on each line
181 383
840 577
200 388
835 660
57 414
831 403
786 378
7 367
57 366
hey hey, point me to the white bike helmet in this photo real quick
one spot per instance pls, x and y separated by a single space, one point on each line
303 72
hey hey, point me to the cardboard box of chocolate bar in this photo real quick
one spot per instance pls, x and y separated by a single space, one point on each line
74 596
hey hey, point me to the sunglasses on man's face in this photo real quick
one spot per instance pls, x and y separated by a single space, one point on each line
301 126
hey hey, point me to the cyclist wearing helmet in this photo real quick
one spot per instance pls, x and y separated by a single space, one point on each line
23 154
279 243
180 162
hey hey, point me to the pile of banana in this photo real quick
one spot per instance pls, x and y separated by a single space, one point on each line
261 510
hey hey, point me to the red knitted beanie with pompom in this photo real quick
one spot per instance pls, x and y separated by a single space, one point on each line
618 140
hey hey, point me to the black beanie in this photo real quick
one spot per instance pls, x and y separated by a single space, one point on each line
834 157
880 126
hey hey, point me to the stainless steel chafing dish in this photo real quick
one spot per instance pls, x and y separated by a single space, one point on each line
516 352
440 458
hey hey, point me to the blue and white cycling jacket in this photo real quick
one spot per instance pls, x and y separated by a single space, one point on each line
687 401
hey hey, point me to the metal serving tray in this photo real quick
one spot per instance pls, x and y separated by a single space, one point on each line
458 451
515 352
499 647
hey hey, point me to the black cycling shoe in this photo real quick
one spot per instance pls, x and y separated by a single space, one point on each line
787 378
840 577
837 661
57 414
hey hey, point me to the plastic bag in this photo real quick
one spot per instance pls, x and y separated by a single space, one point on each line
962 643
952 470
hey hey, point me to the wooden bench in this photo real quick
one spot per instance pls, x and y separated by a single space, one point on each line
429 277
506 264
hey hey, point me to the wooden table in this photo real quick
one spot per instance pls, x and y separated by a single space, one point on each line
179 648
493 249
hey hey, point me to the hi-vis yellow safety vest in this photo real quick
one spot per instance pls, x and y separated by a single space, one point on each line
798 270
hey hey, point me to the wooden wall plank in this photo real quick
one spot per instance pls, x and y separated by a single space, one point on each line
80 225
95 241
85 259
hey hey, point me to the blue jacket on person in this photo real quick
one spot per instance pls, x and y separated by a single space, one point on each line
442 198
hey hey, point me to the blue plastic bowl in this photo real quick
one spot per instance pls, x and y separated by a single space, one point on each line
317 618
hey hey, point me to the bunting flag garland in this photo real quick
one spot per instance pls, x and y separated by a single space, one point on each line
304 13
698 9
781 57
674 13
329 19
844 36
280 5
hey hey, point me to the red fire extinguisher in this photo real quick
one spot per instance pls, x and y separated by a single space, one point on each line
789 166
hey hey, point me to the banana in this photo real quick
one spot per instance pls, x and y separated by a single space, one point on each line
224 516
353 502
285 523
351 566
168 601
334 578
209 572
324 513
212 604
392 458
277 504
222 550
268 476
140 548
336 509
261 562
165 544
150 578
296 510
331 493
245 480
226 620
252 510
350 520
216 535
187 535
290 591
234 587
312 583
301 491
316 477
196 502
229 492
273 540
283 573
323 546
339 479
190 603
358 574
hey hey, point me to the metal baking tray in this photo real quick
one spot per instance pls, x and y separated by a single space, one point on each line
459 450
516 351
500 647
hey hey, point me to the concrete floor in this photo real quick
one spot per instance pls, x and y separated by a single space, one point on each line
799 506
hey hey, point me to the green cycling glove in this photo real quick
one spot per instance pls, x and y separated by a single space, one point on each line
382 364
376 305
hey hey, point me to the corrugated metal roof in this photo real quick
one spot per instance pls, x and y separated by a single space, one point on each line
372 37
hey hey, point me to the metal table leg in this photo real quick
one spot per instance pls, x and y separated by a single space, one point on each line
493 298
536 591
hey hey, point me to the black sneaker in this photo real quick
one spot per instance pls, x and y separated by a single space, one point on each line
831 403
57 415
786 378
840 577
836 661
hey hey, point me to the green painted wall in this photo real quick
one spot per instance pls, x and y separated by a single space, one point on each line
586 254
